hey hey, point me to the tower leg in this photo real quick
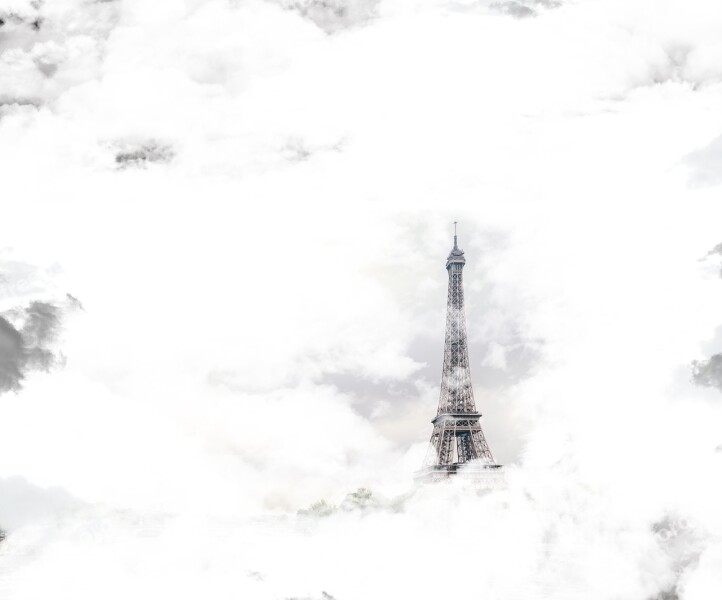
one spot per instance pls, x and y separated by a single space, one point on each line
446 447
481 448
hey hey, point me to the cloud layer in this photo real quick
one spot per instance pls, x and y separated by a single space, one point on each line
252 199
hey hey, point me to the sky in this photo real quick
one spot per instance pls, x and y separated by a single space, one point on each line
223 232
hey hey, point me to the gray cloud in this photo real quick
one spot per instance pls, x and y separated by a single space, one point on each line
708 372
717 250
40 329
521 9
46 48
334 15
515 9
142 153
27 336
11 356
9 18
670 594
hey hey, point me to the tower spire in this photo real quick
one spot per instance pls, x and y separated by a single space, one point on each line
457 437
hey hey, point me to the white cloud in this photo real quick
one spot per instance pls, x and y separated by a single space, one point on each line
264 291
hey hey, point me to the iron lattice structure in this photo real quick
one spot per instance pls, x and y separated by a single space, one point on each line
457 437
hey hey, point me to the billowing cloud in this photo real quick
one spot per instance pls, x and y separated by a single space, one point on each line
27 342
334 15
11 343
253 201
523 9
708 372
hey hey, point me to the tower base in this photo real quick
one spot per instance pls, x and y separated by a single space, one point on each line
484 476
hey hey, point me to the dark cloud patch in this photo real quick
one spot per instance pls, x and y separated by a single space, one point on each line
41 329
27 340
521 9
140 154
667 594
74 302
298 150
11 356
46 68
334 15
716 250
708 373
14 101
28 20
670 594
683 544
9 18
515 9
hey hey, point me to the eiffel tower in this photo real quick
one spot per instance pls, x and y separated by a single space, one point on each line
457 438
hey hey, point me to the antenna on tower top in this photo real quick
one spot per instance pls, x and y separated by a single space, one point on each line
455 234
